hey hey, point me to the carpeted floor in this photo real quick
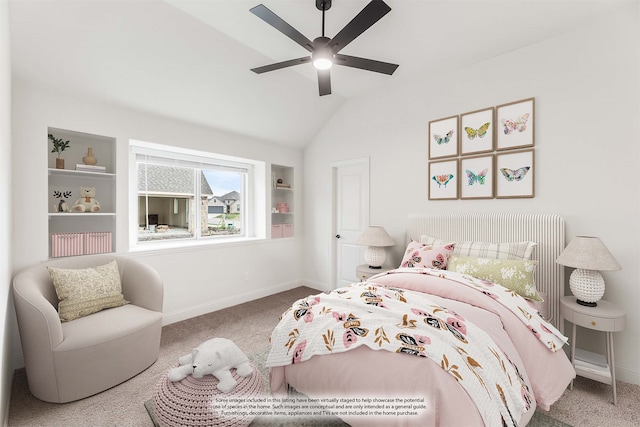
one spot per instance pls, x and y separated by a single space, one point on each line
249 326
258 360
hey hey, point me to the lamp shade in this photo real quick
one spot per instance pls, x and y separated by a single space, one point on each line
376 238
588 253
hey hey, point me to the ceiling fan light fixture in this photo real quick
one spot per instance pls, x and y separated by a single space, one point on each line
322 63
322 56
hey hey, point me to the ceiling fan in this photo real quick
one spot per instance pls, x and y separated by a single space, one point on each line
324 50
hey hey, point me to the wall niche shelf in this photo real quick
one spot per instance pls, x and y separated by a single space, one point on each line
282 198
81 233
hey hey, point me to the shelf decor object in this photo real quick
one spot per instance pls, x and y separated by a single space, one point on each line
89 158
588 255
376 238
59 145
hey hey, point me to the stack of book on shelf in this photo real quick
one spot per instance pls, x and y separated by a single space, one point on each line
90 168
591 362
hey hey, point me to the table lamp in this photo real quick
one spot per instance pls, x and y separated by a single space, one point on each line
588 255
376 238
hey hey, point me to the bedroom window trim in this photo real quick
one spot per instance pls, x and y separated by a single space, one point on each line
252 194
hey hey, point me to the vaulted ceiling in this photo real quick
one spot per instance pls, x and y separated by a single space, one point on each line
191 60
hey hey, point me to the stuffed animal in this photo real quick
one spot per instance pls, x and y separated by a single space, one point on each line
86 202
216 357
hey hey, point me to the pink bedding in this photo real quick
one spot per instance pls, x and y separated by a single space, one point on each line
362 371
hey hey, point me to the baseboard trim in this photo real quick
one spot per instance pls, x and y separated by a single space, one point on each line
322 287
627 375
199 310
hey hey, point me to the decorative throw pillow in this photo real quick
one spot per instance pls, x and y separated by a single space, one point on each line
510 250
88 290
516 275
418 255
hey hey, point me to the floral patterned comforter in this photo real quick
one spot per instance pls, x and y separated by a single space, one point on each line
404 321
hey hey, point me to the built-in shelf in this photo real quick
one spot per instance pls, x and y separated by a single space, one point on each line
71 172
282 198
96 230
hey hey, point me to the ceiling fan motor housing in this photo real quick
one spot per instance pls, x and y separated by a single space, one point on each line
323 4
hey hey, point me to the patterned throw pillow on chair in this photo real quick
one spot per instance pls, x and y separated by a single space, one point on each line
87 290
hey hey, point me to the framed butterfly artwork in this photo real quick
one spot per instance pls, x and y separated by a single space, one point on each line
443 180
476 177
443 138
477 131
515 124
514 175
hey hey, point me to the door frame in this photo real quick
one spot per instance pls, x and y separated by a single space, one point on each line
364 161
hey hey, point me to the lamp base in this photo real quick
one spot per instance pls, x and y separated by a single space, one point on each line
587 304
587 286
375 256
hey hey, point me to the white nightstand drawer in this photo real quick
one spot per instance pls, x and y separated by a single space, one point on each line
596 323
364 272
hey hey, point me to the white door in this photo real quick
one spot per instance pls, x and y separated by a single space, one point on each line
351 217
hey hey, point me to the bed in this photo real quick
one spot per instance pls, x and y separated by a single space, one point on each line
437 342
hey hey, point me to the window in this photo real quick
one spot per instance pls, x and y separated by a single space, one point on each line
185 195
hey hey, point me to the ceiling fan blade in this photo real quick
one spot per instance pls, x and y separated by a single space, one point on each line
366 18
365 64
324 82
283 64
264 13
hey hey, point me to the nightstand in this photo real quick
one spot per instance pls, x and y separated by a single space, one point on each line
606 317
363 271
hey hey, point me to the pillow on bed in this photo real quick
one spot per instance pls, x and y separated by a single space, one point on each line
87 290
512 250
516 275
418 255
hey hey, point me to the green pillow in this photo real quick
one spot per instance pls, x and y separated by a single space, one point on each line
516 275
88 290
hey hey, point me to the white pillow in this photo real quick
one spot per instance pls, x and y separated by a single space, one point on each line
511 250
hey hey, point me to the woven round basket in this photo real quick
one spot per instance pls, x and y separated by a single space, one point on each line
191 402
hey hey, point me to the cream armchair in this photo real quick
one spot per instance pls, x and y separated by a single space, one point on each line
67 361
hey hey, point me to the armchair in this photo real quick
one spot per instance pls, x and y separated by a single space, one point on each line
67 361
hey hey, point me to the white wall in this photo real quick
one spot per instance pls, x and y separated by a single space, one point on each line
6 308
586 151
197 280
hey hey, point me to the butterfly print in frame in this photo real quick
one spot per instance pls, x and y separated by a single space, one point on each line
443 137
516 124
516 174
477 134
481 132
480 177
443 180
478 182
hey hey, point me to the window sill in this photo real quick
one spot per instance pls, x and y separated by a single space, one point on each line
187 245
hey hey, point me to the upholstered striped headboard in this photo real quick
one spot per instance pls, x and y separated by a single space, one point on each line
547 230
